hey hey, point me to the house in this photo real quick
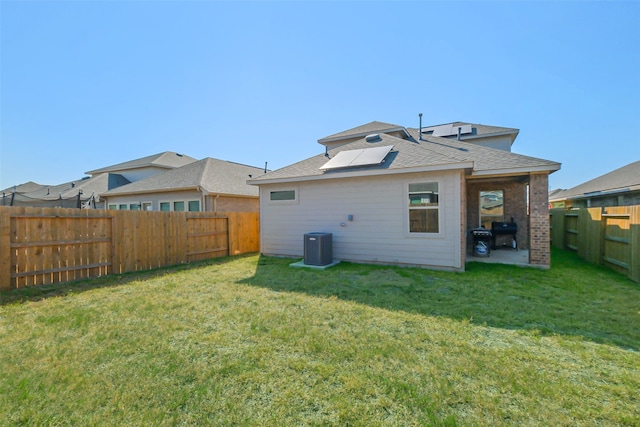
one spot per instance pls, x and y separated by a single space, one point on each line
80 193
206 185
620 187
406 196
144 167
84 193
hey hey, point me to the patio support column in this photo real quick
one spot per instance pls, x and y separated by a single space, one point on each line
539 243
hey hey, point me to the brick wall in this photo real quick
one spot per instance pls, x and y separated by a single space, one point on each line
539 252
515 206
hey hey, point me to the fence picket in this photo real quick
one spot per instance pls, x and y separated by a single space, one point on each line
55 245
609 236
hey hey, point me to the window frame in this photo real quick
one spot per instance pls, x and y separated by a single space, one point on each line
188 205
497 218
284 201
408 208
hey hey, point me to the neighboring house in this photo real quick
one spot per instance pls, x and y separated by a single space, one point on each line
84 193
396 195
620 187
135 170
81 193
205 185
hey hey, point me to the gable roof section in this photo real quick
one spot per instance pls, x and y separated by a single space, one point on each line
363 130
626 178
413 155
165 160
211 175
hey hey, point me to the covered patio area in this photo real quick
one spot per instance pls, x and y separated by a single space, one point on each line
503 256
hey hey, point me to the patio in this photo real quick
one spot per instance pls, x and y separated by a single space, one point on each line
503 256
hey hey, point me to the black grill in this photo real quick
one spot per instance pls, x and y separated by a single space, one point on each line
481 242
504 229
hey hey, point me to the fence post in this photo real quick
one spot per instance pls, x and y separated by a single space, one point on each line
5 248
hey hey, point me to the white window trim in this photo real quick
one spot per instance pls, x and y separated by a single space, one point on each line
283 202
165 201
423 235
186 205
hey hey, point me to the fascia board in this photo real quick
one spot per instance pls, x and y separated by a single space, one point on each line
333 175
517 171
489 135
157 190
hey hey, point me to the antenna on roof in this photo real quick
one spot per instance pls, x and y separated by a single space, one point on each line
420 133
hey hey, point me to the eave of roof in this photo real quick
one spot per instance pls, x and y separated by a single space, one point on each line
428 154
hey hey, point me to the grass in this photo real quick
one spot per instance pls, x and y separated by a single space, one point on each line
251 341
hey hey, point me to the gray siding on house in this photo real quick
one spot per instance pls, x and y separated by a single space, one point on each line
379 231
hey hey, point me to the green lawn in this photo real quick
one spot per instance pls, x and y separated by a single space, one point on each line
251 341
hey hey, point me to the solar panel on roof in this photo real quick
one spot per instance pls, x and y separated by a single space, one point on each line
361 157
465 129
443 130
448 130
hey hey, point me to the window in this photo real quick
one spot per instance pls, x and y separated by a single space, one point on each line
282 195
194 206
113 207
165 206
147 206
178 206
134 207
122 207
491 207
424 207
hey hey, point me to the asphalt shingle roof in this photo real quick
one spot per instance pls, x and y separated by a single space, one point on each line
212 175
431 151
626 178
167 159
366 129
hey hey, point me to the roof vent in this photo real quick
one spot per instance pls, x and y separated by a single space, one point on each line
374 137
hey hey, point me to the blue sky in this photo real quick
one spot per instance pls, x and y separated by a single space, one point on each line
89 84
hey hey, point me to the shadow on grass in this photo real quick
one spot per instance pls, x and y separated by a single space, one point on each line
38 293
572 298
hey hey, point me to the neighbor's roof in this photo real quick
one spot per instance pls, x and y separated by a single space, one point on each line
89 185
166 160
626 178
413 155
212 175
24 187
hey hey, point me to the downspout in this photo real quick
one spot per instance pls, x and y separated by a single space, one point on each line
203 200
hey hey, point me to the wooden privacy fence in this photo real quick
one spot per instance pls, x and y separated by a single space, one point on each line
51 245
609 236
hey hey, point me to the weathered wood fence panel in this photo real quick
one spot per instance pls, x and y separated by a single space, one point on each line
52 245
608 236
